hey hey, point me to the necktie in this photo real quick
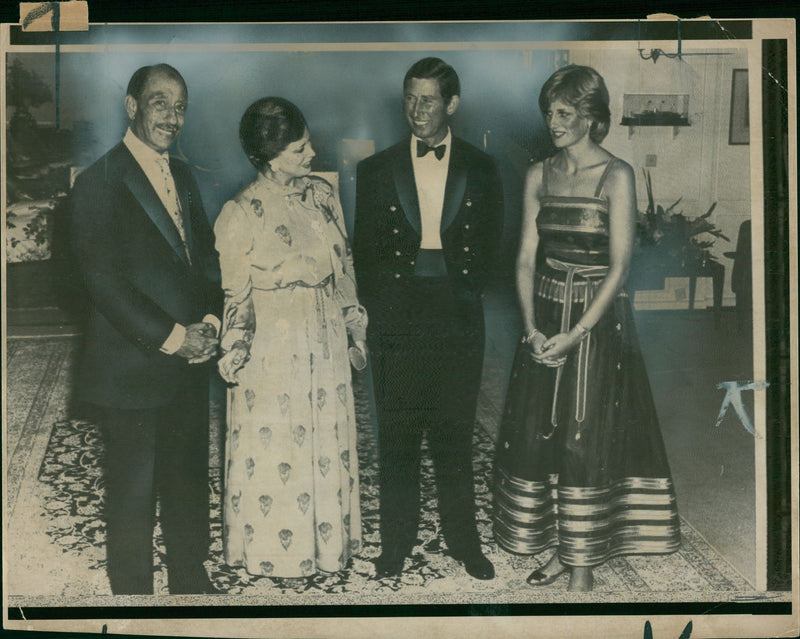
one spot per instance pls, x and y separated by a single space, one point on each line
422 150
173 204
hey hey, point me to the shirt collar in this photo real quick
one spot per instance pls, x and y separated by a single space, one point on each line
142 153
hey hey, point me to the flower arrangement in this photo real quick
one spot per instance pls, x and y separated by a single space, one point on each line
672 238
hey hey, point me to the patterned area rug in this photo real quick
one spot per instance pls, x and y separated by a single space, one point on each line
57 535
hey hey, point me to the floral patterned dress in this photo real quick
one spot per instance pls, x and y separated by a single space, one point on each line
291 504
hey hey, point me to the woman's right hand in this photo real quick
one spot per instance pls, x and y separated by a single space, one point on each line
233 361
536 339
539 352
537 342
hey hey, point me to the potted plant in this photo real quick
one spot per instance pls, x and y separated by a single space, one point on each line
670 242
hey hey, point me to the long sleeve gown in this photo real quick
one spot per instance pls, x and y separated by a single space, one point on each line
291 503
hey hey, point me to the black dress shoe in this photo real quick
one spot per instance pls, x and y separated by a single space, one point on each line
203 587
388 565
476 565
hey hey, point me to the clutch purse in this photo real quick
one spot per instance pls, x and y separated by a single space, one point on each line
357 359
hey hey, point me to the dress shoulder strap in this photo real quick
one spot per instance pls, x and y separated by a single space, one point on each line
601 184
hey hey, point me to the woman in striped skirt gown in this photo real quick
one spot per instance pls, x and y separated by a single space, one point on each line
580 463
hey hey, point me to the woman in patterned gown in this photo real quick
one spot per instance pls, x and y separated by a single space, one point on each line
291 504
580 463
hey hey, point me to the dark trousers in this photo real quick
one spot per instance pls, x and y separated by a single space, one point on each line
157 452
428 359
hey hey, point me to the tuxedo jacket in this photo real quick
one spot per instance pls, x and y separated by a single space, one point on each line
388 232
138 280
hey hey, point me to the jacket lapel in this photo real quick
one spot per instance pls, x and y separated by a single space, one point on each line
145 194
455 187
403 172
184 196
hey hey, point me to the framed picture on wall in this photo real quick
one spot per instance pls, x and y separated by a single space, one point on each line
739 132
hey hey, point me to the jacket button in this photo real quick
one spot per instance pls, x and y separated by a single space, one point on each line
395 231
412 262
468 202
466 226
397 276
392 208
466 249
465 271
397 253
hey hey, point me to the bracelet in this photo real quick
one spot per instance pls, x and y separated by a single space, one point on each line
529 337
582 330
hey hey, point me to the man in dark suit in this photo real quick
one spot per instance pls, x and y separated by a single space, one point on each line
145 252
429 215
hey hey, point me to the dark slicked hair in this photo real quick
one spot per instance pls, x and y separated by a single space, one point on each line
584 89
439 70
140 77
268 126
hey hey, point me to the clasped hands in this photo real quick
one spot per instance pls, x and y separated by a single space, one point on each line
233 361
199 344
551 352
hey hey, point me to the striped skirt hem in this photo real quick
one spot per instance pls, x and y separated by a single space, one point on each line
631 516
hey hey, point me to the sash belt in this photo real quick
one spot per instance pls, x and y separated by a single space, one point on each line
322 284
588 273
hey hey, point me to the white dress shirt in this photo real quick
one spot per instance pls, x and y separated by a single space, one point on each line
156 167
164 185
430 175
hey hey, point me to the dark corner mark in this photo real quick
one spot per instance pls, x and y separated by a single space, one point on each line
42 10
648 631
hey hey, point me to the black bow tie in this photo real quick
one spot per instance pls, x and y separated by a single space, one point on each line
422 150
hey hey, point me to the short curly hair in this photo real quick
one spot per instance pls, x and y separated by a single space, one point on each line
583 88
267 127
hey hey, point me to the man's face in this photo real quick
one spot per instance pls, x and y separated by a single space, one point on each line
157 116
426 111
